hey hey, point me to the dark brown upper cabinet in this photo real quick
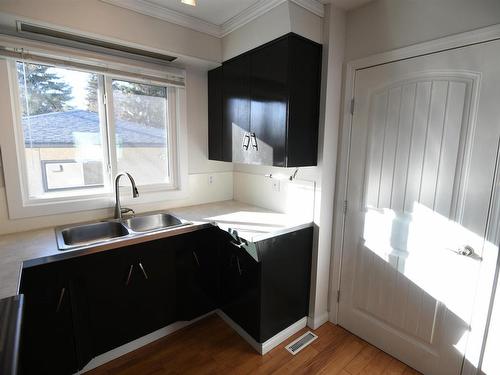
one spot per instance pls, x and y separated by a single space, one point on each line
264 105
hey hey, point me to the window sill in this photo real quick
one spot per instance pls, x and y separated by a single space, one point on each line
40 208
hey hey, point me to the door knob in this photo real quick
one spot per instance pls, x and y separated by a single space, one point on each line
466 251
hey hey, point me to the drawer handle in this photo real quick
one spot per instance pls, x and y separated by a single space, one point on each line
60 301
143 270
129 276
238 264
196 258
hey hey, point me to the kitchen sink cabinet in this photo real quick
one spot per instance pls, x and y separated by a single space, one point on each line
197 270
130 292
240 286
82 307
265 285
285 280
270 105
48 344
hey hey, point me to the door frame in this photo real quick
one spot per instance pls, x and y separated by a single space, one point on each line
460 40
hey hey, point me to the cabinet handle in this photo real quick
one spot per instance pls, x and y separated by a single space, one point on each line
238 264
143 270
238 245
254 142
129 276
61 298
196 258
246 141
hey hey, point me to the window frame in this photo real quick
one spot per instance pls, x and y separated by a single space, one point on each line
111 130
20 205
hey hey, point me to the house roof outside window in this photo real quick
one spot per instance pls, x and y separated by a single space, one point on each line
57 129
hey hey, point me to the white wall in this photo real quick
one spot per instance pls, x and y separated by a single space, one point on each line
305 23
93 16
286 17
118 24
383 25
265 28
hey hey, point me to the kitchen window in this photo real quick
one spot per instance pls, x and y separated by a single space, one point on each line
76 129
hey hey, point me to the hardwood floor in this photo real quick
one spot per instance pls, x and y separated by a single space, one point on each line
212 347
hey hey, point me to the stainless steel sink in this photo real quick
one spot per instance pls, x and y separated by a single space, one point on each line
86 234
78 235
147 223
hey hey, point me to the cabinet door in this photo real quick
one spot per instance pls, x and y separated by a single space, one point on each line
240 287
215 118
236 109
197 266
303 110
286 274
269 102
48 342
130 292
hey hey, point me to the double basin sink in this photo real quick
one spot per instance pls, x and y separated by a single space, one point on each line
94 233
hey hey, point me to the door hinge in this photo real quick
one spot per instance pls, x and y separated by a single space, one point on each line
352 106
338 296
344 208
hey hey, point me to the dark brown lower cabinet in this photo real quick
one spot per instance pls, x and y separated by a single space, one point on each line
79 308
130 292
240 284
197 270
265 285
48 344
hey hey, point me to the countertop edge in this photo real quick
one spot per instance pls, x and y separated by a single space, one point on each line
116 244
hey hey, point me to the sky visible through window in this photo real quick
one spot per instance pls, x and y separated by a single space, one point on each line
78 82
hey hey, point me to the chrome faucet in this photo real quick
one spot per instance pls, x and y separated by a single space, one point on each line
119 211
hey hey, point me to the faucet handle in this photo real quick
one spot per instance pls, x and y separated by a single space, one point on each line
126 210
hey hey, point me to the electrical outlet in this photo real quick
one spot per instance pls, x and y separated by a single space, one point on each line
276 186
210 180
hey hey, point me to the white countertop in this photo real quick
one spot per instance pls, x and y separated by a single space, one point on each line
250 222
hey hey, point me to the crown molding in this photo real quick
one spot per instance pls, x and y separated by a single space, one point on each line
313 6
258 9
172 16
249 14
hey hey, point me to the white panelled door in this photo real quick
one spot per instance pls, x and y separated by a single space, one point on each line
424 143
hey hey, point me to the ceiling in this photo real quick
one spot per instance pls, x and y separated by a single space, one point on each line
219 11
220 17
213 11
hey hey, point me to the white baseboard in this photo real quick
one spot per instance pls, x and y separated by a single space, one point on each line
283 335
261 348
270 344
317 321
136 344
240 331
